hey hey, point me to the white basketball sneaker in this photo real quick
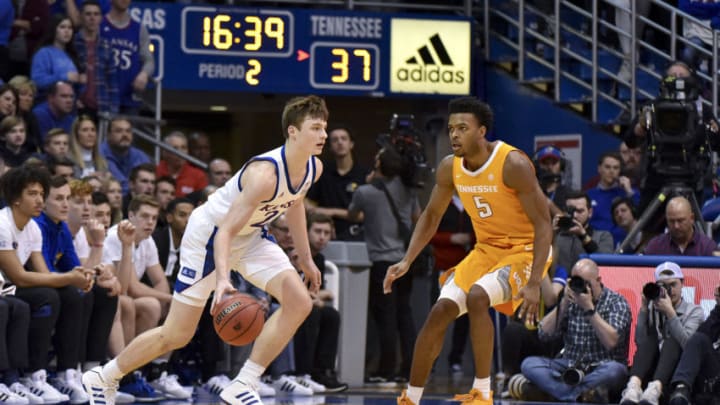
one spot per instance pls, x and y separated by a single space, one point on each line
101 392
289 386
240 393
38 385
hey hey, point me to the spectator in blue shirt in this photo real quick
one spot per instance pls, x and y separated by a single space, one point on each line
56 59
58 110
75 341
594 323
121 156
610 186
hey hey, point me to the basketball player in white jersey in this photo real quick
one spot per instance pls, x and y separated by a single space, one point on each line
227 233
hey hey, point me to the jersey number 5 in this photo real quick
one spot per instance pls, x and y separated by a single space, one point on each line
483 207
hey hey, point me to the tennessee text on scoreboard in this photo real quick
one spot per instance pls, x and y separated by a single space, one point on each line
308 51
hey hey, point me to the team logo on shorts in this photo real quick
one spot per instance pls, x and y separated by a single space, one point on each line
187 272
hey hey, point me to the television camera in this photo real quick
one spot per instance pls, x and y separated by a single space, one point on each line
405 139
678 148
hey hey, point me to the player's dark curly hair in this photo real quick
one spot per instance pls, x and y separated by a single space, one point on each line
17 179
482 112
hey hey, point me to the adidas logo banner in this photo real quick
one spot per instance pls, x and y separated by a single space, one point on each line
430 56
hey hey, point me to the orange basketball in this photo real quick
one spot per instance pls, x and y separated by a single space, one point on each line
238 319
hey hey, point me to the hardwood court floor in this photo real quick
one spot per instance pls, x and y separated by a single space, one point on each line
439 392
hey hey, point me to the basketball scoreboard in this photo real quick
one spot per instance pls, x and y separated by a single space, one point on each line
268 50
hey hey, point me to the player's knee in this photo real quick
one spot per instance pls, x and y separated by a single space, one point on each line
300 303
444 311
477 299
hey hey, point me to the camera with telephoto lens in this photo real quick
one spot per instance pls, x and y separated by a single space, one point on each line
653 291
578 285
566 222
406 140
575 373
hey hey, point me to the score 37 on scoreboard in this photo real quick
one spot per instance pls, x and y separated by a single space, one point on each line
303 51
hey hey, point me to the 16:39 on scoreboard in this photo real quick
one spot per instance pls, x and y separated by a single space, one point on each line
308 51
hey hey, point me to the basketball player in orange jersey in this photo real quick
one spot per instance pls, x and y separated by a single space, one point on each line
497 186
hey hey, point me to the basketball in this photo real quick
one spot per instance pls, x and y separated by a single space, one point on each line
238 319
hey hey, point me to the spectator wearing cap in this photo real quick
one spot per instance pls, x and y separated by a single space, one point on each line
550 165
664 325
681 239
611 186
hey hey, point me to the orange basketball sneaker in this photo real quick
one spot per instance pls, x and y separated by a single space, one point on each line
404 400
473 398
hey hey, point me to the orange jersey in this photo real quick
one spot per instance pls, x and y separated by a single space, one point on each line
497 216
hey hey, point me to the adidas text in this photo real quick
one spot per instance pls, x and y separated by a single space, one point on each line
430 74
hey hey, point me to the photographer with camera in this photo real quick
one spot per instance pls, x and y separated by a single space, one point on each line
573 234
697 376
664 324
679 132
594 323
387 199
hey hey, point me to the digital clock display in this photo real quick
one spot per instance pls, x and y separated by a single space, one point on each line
301 51
237 32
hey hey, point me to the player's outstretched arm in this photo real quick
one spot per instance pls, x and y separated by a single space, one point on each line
519 175
258 184
427 224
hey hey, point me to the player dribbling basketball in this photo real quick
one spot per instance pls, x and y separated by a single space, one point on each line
226 233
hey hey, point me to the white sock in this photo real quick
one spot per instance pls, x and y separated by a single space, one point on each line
414 393
250 373
482 385
111 371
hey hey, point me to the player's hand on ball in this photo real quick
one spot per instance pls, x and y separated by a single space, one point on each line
222 289
393 273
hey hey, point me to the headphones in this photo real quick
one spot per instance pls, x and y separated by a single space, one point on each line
623 200
549 149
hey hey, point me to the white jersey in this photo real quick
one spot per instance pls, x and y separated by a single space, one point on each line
219 202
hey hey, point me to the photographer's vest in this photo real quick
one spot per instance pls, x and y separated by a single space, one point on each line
497 216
